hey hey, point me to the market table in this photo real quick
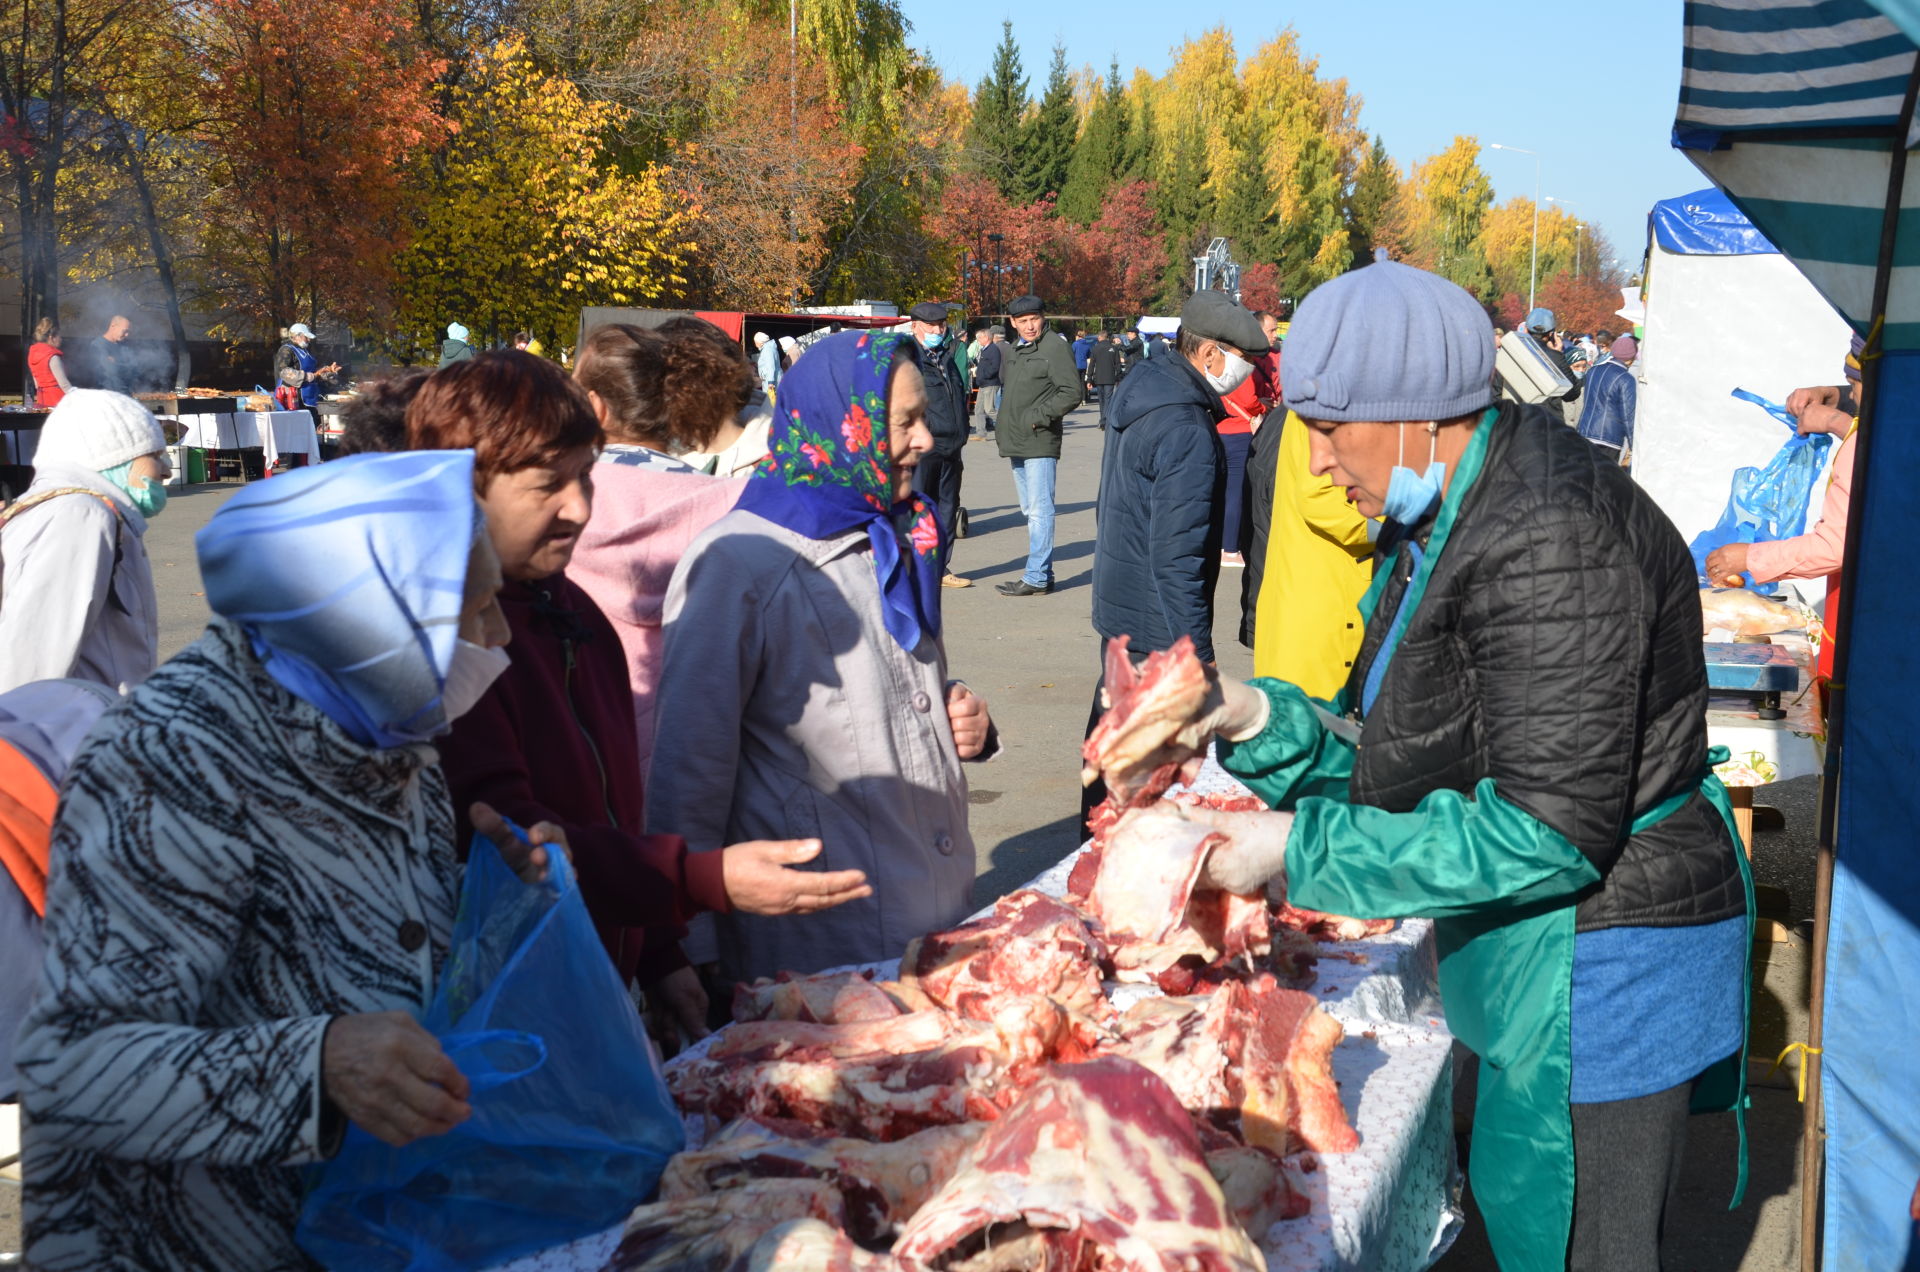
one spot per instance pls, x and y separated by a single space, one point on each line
1385 1207
1767 751
275 433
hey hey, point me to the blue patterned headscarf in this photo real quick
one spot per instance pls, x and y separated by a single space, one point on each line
348 578
828 472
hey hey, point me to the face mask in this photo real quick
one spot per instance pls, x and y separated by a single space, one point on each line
933 339
149 496
472 673
1232 375
1411 496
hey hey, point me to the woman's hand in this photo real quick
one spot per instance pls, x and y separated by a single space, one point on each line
391 1078
967 713
1819 395
1726 564
1255 851
677 1009
1819 418
525 857
759 880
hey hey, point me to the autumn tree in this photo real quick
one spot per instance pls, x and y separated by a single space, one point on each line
521 219
996 136
311 112
1444 205
1048 136
1306 143
1370 202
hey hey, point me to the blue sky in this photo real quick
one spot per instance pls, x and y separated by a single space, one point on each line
1591 87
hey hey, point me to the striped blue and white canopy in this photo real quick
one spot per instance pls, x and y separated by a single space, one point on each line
1795 108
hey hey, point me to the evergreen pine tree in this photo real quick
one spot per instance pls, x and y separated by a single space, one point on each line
996 134
1374 187
1137 151
1244 213
1097 158
1048 137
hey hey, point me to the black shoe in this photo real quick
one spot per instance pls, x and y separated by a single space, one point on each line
1020 587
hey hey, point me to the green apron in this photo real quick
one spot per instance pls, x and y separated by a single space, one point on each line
1502 897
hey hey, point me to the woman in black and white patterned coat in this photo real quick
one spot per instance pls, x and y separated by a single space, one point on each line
254 879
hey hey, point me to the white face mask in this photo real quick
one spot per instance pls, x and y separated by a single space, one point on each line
471 674
1232 375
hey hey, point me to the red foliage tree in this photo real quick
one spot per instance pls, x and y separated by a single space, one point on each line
313 109
1260 287
1582 303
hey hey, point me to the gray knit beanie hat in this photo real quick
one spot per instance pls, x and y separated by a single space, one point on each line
1388 343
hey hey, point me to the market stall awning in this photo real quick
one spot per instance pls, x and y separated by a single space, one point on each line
1803 113
1795 110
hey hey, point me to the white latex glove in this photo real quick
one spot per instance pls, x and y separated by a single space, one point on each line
1255 851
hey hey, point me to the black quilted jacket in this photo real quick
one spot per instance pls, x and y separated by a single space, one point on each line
1557 650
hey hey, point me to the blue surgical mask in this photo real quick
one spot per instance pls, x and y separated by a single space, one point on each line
933 339
1410 495
149 496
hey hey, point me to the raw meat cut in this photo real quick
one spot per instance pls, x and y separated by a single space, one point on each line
880 1185
1148 708
878 1096
831 998
1257 1187
1251 1058
1098 1165
1743 614
1330 927
773 1039
807 1245
715 1233
1030 945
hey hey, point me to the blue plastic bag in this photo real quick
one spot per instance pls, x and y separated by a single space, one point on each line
571 1125
1767 503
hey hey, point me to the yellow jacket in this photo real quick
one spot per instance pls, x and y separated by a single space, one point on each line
1319 561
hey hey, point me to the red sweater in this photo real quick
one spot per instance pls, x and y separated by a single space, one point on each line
553 740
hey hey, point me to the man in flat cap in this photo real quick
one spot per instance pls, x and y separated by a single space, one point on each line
1039 386
937 475
1162 486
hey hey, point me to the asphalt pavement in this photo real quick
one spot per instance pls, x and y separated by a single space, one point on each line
1035 660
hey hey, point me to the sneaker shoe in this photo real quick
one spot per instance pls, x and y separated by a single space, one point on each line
1020 587
951 579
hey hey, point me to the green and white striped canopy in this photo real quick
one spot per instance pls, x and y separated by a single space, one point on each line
1794 108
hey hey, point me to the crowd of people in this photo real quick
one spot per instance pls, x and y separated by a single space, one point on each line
679 614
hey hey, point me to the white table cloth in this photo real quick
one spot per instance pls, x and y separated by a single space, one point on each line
276 433
1386 1207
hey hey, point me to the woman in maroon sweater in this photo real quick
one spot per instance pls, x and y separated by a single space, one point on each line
553 739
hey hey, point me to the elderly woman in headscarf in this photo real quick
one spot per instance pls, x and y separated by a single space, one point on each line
804 691
254 881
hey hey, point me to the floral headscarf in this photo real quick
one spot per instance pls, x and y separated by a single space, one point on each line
827 473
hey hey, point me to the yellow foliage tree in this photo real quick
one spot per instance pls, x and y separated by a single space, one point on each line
1309 142
522 219
1441 212
1506 240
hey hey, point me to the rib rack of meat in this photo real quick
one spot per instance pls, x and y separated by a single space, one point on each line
1031 945
1098 1165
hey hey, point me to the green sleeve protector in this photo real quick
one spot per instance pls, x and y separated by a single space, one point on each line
1452 855
1295 757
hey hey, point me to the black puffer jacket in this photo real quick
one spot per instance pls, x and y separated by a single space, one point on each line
946 401
1557 650
1162 480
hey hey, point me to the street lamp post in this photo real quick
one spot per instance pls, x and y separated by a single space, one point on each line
1533 269
996 240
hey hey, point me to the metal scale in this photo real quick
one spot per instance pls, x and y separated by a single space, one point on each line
1759 672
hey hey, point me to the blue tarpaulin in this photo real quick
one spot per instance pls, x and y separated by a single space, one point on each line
1805 114
1705 223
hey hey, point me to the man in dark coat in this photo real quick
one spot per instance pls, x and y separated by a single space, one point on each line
937 476
1157 549
1106 366
1041 386
986 377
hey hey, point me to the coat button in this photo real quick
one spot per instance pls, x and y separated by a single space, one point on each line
945 844
922 703
413 934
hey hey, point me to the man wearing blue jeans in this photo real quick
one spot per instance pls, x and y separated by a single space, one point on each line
1039 385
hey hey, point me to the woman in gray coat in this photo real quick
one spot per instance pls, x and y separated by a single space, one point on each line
804 692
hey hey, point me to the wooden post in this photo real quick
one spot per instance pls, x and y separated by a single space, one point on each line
1741 797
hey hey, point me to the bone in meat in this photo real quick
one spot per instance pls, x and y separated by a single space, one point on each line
1257 1187
1147 708
774 1039
1097 1157
714 1234
881 1185
807 1245
1030 945
831 998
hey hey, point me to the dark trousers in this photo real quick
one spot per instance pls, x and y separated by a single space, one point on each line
1626 1164
1236 446
1256 517
937 476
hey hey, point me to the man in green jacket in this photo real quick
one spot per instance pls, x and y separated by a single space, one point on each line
1039 386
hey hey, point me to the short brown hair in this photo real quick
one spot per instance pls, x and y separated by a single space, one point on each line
514 410
46 329
666 387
